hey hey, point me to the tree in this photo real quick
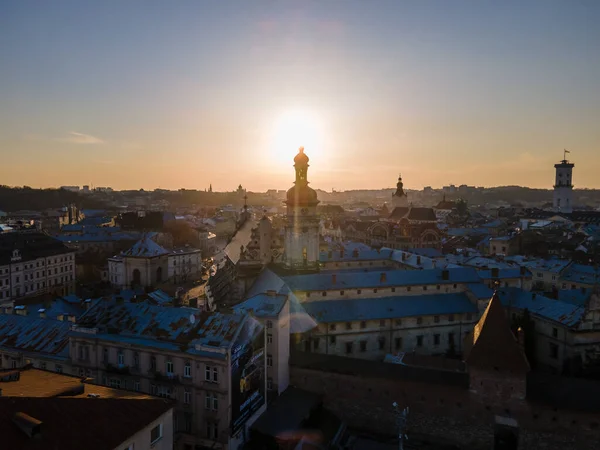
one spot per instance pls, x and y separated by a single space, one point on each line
182 232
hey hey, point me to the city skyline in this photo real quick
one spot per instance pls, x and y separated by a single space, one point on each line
144 95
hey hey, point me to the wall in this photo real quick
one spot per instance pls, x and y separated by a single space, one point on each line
362 396
386 336
141 439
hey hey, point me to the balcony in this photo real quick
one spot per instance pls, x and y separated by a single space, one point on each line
119 369
169 377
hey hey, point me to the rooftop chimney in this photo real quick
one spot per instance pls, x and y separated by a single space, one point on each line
27 424
333 278
495 272
383 277
21 310
523 270
445 274
341 253
42 312
355 253
418 260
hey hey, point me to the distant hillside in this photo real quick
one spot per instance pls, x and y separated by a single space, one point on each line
15 199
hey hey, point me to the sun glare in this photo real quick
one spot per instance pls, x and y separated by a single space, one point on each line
292 130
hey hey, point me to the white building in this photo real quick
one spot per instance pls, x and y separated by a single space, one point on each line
563 186
148 264
33 264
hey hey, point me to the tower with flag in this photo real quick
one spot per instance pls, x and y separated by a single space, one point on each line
563 185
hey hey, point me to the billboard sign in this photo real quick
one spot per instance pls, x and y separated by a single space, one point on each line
247 373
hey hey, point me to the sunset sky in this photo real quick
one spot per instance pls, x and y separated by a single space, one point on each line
171 94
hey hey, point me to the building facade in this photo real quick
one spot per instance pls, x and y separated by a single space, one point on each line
33 264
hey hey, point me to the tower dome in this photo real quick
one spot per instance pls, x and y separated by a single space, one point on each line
301 194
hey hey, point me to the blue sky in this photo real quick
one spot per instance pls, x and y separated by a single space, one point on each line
186 93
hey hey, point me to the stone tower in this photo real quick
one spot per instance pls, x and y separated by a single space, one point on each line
399 198
563 186
302 224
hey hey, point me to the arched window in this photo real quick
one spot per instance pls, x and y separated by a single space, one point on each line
159 275
136 277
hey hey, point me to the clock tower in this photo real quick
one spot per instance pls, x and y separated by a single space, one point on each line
302 225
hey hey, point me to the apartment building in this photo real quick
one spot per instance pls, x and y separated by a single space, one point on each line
213 365
33 264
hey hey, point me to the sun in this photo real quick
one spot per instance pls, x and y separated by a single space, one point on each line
294 129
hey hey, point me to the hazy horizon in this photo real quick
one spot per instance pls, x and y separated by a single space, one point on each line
151 94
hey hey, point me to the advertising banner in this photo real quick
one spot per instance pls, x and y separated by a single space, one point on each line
247 373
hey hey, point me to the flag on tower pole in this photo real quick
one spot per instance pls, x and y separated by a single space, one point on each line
567 151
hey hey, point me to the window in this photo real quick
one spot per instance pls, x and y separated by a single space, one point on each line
269 324
212 430
187 370
381 343
393 289
358 291
419 320
156 433
120 357
211 402
438 287
316 343
269 383
408 289
375 291
348 325
136 360
398 343
269 338
436 339
424 288
332 340
382 323
324 294
269 360
436 319
136 386
553 351
419 341
554 332
363 324
105 355
469 316
454 285
363 346
341 292
187 397
398 322
115 383
170 367
43 365
451 318
153 363
332 327
308 294
348 348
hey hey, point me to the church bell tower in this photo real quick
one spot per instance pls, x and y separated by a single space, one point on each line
302 225
563 186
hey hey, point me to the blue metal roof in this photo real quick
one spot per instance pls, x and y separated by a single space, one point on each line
429 252
262 305
549 265
389 307
160 297
574 296
344 280
56 308
466 231
145 248
33 334
150 323
579 273
493 224
355 255
480 291
558 311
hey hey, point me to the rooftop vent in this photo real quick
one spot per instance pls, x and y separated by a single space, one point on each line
27 424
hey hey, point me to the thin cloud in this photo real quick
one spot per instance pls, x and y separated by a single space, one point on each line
80 138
